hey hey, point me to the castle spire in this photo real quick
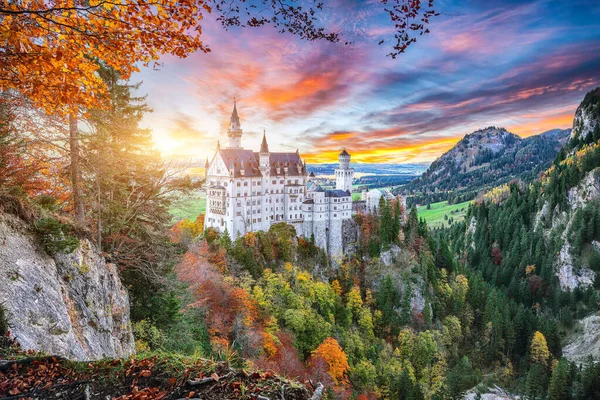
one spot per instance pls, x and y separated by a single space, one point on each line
235 128
234 114
264 147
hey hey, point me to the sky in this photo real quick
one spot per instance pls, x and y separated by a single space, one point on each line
523 65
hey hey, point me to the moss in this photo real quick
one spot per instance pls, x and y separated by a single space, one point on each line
84 268
54 236
4 327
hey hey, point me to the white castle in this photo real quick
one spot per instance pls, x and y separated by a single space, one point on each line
249 191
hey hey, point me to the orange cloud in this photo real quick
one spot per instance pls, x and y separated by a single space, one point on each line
541 124
411 151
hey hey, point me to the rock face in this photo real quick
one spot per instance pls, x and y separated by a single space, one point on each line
569 275
72 305
585 342
587 116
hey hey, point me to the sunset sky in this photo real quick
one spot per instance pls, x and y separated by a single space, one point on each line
521 65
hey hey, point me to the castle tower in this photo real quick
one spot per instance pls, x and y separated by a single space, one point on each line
264 154
235 129
344 174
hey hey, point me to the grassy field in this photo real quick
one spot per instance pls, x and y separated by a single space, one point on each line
188 207
435 216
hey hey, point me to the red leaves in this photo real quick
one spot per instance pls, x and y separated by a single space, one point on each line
144 394
38 374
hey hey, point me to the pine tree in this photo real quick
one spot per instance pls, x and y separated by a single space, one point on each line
559 381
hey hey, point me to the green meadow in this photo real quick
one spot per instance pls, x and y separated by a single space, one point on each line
440 213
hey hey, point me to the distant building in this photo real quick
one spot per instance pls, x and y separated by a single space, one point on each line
249 191
373 196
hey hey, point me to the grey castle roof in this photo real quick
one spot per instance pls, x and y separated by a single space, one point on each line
312 175
344 153
336 193
249 161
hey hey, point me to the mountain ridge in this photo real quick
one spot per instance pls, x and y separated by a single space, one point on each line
483 159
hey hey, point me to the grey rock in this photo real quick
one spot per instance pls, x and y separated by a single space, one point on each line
71 305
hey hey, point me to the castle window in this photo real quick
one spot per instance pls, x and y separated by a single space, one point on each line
238 184
245 183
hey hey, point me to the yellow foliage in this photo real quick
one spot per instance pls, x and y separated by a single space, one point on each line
539 349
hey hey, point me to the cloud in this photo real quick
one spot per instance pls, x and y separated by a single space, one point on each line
523 66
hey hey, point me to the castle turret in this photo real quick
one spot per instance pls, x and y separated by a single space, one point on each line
235 129
344 174
264 154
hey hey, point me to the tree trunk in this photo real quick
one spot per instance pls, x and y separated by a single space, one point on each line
75 169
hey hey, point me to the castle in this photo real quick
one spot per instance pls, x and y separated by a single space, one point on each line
248 191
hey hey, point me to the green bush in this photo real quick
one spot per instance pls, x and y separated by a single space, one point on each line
47 202
147 336
54 236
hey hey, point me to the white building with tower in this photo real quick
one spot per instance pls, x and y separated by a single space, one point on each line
248 191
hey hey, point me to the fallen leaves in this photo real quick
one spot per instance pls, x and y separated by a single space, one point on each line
138 379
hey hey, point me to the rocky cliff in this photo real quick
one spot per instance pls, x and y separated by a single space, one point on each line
587 117
72 305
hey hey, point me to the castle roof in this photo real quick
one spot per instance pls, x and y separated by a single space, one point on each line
248 160
312 174
241 159
336 193
344 153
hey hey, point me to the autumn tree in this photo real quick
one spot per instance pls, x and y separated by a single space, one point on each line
337 363
539 349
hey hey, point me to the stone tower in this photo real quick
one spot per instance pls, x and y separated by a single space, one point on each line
235 129
344 174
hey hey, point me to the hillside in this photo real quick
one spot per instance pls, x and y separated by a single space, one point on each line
484 159
539 246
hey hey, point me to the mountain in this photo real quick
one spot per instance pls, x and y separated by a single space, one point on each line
484 159
539 243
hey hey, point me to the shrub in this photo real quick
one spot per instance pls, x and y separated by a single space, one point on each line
47 202
147 336
54 236
4 328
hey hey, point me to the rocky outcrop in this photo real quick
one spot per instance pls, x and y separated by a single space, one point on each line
587 116
72 305
570 275
585 341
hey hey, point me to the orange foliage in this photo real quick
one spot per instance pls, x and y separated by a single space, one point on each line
225 303
186 230
269 345
50 47
333 355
